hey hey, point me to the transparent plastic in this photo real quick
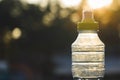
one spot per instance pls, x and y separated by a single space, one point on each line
88 56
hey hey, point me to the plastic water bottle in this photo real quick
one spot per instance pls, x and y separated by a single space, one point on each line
88 50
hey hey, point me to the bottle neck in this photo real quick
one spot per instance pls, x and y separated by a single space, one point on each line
87 31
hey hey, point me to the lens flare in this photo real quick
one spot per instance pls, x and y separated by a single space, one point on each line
69 3
99 3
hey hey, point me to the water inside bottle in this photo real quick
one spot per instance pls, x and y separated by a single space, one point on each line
88 64
88 56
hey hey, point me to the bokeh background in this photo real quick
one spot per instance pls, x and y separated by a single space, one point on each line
36 38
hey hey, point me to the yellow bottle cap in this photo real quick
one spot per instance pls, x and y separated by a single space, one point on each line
88 22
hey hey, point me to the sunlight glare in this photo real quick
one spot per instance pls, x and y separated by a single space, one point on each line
99 3
32 1
69 3
41 3
16 34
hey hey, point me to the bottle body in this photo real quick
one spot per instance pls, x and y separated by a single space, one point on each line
88 55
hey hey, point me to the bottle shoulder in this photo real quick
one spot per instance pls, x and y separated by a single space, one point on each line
88 42
88 39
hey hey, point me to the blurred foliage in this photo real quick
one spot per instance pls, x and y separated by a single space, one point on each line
46 29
